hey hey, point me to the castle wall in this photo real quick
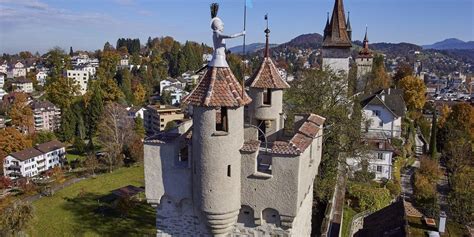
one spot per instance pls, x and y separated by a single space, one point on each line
164 175
364 68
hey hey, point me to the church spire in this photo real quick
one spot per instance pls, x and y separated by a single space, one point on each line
365 51
337 35
348 26
326 28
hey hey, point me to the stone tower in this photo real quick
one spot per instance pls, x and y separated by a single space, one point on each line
337 43
266 90
364 63
218 111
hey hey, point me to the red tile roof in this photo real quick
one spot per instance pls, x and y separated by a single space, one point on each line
267 77
218 88
250 146
302 139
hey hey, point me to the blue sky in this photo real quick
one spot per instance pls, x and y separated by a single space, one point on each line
38 25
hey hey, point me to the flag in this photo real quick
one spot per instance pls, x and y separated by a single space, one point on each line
266 16
249 3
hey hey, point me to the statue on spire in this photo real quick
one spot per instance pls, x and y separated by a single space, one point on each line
218 56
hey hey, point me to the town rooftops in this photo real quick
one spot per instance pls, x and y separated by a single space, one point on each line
335 34
391 98
267 77
164 108
22 80
37 150
218 88
42 104
50 146
26 154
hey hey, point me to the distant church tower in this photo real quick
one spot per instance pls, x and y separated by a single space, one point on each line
364 63
337 43
266 90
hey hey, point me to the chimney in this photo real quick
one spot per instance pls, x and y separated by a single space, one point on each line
442 222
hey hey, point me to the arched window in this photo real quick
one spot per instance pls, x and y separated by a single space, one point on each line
271 216
246 216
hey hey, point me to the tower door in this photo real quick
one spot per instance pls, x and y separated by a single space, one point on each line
262 130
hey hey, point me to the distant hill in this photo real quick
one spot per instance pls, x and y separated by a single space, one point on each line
251 48
393 49
451 44
305 41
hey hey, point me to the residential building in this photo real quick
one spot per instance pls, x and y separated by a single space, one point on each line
41 78
156 117
2 93
81 78
364 61
46 115
83 59
180 83
336 48
217 178
383 112
135 112
2 122
23 84
17 70
4 67
87 68
33 161
2 79
177 92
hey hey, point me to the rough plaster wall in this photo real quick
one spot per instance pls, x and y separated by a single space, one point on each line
337 64
302 222
258 111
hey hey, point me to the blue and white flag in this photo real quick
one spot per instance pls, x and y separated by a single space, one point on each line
249 3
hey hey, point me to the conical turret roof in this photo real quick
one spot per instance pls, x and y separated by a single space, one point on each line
267 76
218 87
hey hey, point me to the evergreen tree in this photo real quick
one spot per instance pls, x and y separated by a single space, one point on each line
139 127
434 128
71 53
94 110
126 86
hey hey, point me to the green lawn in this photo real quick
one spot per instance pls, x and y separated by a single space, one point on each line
347 220
74 211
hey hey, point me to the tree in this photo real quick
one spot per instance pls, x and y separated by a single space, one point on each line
94 110
403 70
461 195
5 182
21 113
91 163
71 52
126 85
139 128
43 137
165 98
414 90
369 197
139 94
378 78
170 125
324 93
134 150
445 111
115 130
11 140
434 129
16 218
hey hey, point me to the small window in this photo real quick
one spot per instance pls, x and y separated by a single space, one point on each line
267 97
381 124
228 171
380 156
183 154
222 120
379 169
376 113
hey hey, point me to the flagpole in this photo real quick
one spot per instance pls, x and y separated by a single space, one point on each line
245 26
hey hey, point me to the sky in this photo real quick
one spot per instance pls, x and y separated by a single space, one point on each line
39 25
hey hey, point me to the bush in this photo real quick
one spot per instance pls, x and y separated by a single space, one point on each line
368 197
394 188
363 176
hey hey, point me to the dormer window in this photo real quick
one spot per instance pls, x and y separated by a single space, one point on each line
267 97
222 124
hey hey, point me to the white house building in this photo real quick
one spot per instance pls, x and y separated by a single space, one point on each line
81 78
2 79
384 111
23 84
4 67
135 112
33 161
17 70
41 78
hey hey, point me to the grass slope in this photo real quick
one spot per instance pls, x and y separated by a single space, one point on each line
73 210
